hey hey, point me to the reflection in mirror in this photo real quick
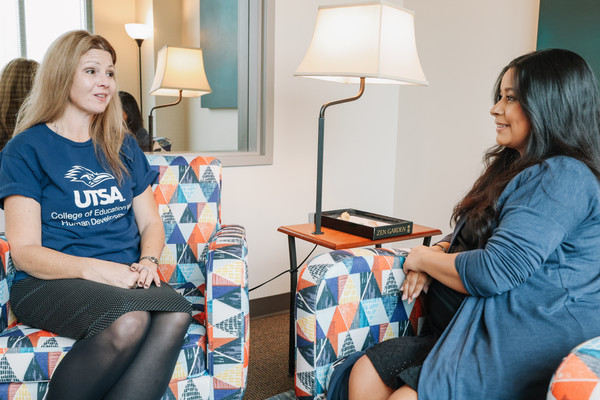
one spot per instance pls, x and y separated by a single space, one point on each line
223 28
223 54
234 124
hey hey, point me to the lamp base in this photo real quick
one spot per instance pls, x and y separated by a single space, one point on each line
311 220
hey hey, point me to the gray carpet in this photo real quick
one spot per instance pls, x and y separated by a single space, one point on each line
268 364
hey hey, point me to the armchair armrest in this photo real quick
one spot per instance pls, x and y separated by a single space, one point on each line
347 301
227 307
577 375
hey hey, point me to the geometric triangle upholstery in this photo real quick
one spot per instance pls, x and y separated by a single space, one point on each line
347 300
578 376
203 260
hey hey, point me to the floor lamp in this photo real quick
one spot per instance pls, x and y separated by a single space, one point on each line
180 73
372 42
139 33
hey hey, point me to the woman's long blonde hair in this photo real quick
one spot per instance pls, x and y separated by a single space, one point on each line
50 95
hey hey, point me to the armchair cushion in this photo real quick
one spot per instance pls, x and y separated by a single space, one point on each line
30 354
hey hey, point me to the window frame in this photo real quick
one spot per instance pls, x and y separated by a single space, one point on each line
87 20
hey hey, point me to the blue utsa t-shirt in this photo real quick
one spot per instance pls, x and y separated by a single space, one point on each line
84 210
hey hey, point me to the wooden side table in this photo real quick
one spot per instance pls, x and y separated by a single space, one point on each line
334 240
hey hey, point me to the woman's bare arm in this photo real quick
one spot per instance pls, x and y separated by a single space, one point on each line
24 235
152 235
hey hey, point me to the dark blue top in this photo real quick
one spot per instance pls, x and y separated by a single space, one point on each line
535 290
84 210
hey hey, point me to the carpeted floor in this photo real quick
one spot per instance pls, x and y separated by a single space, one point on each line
268 366
284 396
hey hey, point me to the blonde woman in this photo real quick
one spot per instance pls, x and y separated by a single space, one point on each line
15 83
85 233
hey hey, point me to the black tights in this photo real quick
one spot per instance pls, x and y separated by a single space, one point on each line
131 359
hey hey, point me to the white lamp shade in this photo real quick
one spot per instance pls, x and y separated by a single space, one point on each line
179 68
138 31
374 40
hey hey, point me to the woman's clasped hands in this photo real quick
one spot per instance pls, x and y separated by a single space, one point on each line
136 275
416 280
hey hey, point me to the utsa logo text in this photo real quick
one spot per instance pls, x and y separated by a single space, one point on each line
86 198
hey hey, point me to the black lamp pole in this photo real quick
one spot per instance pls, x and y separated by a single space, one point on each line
150 118
320 152
139 43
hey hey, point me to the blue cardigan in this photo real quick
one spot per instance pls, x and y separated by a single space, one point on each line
535 290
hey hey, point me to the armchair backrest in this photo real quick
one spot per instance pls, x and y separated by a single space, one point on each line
188 194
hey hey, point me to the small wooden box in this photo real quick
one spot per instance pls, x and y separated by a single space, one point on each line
366 224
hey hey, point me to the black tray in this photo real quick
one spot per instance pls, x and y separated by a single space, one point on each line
364 224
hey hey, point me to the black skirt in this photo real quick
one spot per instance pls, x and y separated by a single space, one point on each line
398 361
78 308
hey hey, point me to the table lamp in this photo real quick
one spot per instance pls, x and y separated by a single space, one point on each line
367 42
139 33
179 73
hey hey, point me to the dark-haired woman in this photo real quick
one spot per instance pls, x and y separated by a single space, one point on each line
133 120
525 250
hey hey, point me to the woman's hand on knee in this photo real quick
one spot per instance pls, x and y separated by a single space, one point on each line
148 273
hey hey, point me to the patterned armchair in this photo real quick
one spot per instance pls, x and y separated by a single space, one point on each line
347 300
202 259
578 375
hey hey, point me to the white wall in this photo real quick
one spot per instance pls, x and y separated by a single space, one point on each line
446 128
389 152
360 146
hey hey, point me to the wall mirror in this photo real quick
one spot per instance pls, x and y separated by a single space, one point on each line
239 132
237 41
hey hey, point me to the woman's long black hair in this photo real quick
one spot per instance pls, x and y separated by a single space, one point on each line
558 93
134 116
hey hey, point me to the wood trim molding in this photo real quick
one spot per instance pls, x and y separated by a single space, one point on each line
270 305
